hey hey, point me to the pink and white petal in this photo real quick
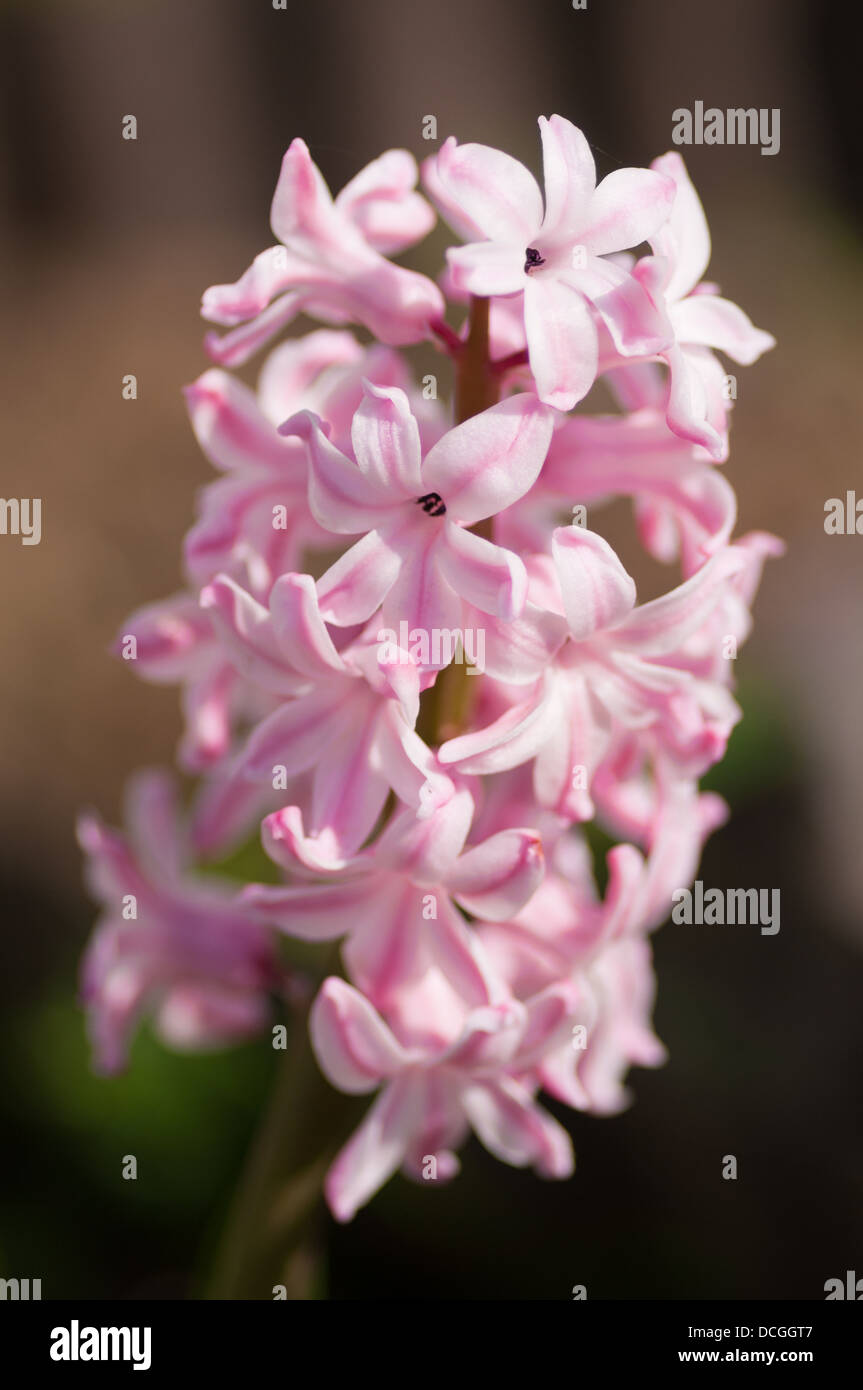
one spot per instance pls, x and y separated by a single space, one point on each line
111 869
302 207
410 764
299 628
424 848
507 1120
456 950
484 574
422 596
509 741
234 348
492 189
562 341
382 203
518 651
575 741
245 629
293 735
550 1018
661 626
491 460
196 1016
717 323
628 207
292 370
342 498
570 176
375 1151
688 404
286 842
227 810
349 788
357 584
495 879
271 272
208 702
386 442
354 1047
638 327
173 639
597 592
454 216
311 912
486 268
230 426
684 241
387 951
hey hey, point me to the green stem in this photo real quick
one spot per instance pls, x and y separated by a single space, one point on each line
275 1229
446 707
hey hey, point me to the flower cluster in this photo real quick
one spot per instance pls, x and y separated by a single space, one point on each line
427 809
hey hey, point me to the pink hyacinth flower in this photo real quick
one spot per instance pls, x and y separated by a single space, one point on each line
554 252
331 261
432 1095
395 902
417 559
700 318
181 948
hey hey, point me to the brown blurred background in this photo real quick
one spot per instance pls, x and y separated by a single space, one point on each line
105 247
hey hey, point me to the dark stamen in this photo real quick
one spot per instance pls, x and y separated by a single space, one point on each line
532 258
432 504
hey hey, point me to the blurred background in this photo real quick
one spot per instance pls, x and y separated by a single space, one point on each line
105 247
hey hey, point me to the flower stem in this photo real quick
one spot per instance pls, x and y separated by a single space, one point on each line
446 707
275 1230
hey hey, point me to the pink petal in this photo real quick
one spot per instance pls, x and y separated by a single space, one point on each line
486 268
375 1151
386 442
511 1125
570 175
684 241
659 627
355 586
380 200
688 404
511 740
597 592
312 912
628 207
705 318
491 460
494 190
421 596
495 879
487 576
638 327
342 497
562 341
293 735
245 628
299 628
236 347
354 1047
230 426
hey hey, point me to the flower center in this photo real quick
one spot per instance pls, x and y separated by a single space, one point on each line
432 504
532 259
